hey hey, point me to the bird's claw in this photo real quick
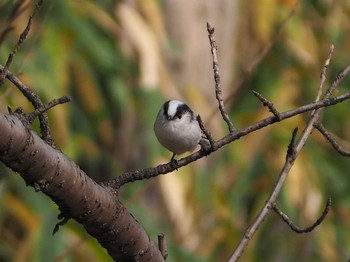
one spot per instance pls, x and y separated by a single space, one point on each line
206 147
173 162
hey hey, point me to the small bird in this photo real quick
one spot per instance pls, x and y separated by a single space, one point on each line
177 128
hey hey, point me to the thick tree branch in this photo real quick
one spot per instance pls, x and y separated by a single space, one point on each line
79 197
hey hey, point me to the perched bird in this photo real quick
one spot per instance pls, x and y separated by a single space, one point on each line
177 128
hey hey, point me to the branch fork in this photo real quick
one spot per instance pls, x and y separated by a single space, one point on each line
294 149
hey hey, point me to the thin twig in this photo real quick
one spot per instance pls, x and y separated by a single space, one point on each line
218 90
337 80
26 91
332 140
253 65
324 71
205 131
267 103
20 41
316 113
36 102
31 116
308 229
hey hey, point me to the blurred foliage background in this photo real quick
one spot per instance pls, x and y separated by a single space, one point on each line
120 60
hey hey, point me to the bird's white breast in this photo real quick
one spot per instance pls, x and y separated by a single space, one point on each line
178 135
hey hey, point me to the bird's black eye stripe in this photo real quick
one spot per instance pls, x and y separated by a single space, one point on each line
182 109
178 115
166 106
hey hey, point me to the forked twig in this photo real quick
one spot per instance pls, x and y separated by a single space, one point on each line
26 91
293 151
36 102
31 116
267 103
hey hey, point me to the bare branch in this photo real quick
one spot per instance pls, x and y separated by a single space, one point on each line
337 81
290 159
206 132
332 140
267 103
36 102
308 229
218 90
148 173
104 193
26 91
31 116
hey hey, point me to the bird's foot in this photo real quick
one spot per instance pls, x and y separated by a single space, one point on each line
206 147
173 162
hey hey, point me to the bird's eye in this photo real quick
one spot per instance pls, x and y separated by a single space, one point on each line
179 114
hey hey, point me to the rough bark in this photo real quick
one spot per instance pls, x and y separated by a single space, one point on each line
78 197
